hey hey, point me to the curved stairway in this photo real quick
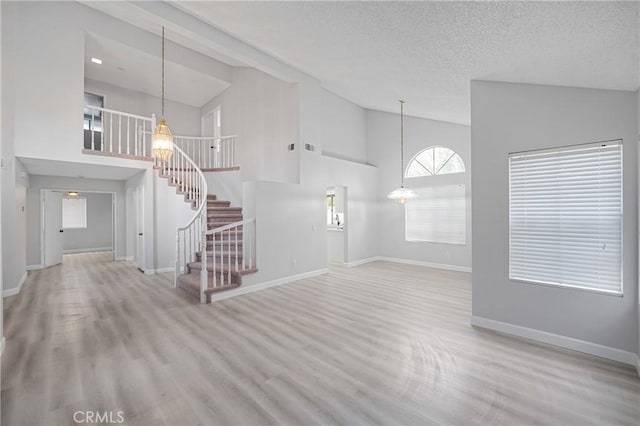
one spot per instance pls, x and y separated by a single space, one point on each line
224 249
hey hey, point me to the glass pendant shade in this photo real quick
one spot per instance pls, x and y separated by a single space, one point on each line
162 142
402 195
161 138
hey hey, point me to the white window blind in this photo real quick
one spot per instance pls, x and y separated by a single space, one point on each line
74 213
438 215
565 212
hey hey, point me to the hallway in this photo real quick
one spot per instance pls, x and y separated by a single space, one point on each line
378 344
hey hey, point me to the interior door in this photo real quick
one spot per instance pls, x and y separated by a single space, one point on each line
52 232
139 203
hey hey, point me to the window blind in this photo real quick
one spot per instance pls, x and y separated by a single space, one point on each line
565 216
437 215
74 213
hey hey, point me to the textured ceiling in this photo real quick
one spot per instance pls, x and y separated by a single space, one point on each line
374 53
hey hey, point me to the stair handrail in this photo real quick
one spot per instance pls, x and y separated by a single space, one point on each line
248 248
191 181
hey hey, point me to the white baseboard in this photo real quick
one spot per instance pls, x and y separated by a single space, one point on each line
638 364
33 267
129 258
163 270
264 285
557 340
15 290
362 261
120 259
410 262
87 250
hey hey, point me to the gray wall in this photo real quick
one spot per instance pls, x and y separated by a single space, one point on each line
36 183
384 152
99 231
517 117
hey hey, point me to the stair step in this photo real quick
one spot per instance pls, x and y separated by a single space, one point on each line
219 224
231 216
224 255
216 209
197 267
191 284
217 203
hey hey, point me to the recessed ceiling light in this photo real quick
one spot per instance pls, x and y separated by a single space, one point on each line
96 61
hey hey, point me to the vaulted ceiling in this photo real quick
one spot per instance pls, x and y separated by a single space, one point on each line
373 53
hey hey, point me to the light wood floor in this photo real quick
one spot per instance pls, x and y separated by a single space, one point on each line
378 344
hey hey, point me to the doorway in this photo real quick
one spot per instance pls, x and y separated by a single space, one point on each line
211 123
138 239
336 214
76 222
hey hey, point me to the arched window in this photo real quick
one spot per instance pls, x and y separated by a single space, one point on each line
435 160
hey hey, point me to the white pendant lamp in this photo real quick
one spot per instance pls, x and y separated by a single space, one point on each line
402 194
161 138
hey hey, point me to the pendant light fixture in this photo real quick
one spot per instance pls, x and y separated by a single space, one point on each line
402 194
162 139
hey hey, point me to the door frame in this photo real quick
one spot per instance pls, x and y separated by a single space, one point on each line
139 224
212 113
114 221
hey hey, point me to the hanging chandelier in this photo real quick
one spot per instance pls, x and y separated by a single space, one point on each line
402 194
161 138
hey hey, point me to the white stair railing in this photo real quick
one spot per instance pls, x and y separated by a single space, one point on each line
209 152
191 238
234 250
116 132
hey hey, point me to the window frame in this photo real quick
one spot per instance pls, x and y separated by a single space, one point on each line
561 149
435 173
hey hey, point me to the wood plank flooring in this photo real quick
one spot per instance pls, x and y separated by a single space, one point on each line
378 344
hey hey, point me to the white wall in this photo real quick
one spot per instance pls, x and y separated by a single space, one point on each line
98 234
36 183
293 217
518 117
383 131
14 178
2 142
170 213
262 111
48 77
226 186
184 120
344 128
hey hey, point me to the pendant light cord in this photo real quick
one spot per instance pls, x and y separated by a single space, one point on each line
163 72
401 143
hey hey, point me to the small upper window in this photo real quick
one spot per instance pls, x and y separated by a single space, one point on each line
74 212
435 160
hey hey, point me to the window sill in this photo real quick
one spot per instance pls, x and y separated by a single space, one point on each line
568 287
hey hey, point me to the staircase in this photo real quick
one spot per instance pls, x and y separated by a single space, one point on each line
216 228
229 239
226 248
